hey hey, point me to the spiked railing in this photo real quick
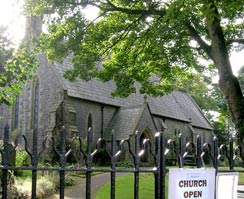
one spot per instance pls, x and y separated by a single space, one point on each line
157 150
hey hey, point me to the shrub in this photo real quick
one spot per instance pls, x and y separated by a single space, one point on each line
125 164
22 158
101 158
76 156
69 181
47 185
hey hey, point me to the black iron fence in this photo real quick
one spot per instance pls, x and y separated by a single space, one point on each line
159 150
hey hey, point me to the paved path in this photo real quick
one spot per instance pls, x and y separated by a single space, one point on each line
240 192
78 191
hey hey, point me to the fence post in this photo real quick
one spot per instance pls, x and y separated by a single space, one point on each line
5 159
34 162
113 165
137 165
215 159
34 156
162 165
231 161
199 152
62 162
215 153
88 163
180 155
156 174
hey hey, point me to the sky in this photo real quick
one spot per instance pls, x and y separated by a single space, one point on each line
10 16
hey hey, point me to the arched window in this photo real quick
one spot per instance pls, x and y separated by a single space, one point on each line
89 123
90 126
145 156
35 102
72 117
16 113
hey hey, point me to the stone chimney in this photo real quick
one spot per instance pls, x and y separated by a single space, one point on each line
33 29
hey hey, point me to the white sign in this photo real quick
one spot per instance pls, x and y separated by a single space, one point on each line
227 185
191 183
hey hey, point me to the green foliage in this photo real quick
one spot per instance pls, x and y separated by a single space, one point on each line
76 156
200 87
125 164
16 67
101 158
69 181
16 72
22 158
160 44
135 39
47 184
6 48
149 47
221 131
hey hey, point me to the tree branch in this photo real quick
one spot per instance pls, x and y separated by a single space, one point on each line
237 40
124 34
198 39
150 11
109 6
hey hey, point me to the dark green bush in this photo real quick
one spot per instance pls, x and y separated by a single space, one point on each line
125 164
22 160
101 158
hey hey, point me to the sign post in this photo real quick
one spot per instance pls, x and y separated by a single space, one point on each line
191 183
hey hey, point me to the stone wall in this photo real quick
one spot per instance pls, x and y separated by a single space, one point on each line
101 116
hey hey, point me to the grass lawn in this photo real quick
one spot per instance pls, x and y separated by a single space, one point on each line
241 178
125 187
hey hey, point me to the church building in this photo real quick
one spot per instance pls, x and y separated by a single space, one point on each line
81 104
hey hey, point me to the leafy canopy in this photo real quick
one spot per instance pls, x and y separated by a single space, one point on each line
16 66
154 42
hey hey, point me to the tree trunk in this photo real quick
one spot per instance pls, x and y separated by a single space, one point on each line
228 83
232 92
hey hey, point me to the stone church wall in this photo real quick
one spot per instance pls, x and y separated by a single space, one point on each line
100 114
207 136
50 95
175 127
146 123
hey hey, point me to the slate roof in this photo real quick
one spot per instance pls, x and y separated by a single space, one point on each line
191 109
124 122
176 105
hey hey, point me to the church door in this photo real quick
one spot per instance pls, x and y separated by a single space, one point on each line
145 158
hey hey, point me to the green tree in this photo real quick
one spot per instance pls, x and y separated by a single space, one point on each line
223 134
6 48
16 66
138 40
201 88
